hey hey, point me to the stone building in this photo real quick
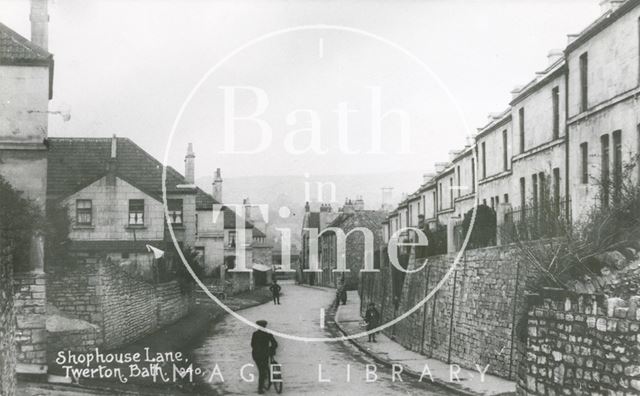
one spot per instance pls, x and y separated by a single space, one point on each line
314 221
349 227
565 134
113 191
26 86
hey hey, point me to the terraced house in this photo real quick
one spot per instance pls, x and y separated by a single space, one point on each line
563 141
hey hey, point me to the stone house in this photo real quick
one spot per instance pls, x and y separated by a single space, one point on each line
314 221
113 191
26 86
351 218
603 120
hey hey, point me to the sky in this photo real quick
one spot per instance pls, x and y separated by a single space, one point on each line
318 95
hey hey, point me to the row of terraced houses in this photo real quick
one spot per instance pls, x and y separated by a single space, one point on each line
564 137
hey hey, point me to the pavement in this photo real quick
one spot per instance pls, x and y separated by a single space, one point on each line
389 352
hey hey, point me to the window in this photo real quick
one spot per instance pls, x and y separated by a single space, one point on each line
604 168
84 212
451 192
497 200
523 196
542 180
584 81
484 160
505 198
418 208
440 195
175 211
473 175
584 163
435 204
555 98
232 239
136 212
534 190
493 203
505 157
556 189
617 165
521 124
459 180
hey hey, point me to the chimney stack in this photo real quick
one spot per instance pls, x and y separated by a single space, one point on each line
387 193
217 186
554 55
571 37
39 18
610 5
190 165
307 208
247 209
359 203
113 161
440 166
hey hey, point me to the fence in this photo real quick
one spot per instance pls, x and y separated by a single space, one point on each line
536 221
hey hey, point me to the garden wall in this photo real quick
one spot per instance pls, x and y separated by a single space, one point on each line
470 320
581 344
124 307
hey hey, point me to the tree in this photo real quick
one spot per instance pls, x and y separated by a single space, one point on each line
483 232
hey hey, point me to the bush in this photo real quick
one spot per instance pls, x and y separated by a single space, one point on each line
20 220
483 232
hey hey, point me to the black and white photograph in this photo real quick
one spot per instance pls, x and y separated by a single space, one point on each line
320 197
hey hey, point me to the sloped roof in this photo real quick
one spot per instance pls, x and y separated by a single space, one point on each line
74 163
371 219
17 50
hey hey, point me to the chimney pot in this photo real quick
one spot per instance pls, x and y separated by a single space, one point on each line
114 147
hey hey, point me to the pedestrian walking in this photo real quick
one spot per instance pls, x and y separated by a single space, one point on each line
343 295
263 346
275 292
372 317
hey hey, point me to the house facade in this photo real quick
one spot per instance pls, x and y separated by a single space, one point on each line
112 190
566 134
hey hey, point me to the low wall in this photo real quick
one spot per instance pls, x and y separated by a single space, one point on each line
470 320
581 344
31 333
7 324
125 308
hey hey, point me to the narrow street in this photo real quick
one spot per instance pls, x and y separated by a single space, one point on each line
227 345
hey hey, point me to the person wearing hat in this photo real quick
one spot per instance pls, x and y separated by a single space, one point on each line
263 346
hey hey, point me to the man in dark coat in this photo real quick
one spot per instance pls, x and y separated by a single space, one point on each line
372 317
263 346
275 292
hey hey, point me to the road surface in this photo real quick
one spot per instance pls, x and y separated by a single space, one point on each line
227 346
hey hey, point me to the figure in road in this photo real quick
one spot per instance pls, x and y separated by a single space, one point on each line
263 346
372 317
275 292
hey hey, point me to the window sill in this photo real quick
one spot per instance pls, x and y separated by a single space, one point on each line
178 226
83 227
136 227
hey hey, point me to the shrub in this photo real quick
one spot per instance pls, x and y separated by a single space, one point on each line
483 232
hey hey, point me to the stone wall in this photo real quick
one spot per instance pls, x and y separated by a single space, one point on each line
581 344
125 308
470 320
7 324
30 310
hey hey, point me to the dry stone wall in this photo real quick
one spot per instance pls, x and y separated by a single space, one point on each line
581 344
7 324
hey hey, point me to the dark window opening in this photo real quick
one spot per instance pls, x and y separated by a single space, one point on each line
175 211
505 157
584 163
617 165
484 160
584 81
523 195
555 97
521 124
604 179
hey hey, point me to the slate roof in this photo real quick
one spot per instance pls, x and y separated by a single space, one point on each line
75 163
371 219
17 50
